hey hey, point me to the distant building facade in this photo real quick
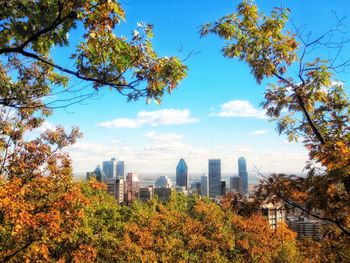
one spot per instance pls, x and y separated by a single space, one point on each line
204 186
98 173
181 189
214 174
132 188
163 193
274 214
306 228
243 174
146 193
236 184
109 167
115 186
120 169
197 188
163 181
223 187
182 174
114 168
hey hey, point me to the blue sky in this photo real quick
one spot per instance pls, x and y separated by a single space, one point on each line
214 113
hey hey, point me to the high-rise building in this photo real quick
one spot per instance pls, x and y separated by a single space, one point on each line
223 187
197 188
204 185
115 186
120 170
132 188
182 174
214 174
163 181
243 174
236 184
114 168
98 173
109 167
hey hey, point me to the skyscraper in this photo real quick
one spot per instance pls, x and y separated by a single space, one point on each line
223 187
214 173
196 188
182 174
120 169
204 185
243 174
132 187
236 184
109 167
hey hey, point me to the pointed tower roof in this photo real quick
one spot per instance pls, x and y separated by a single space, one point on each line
182 164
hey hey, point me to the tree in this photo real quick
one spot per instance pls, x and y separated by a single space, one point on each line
311 105
317 108
189 229
41 209
103 223
29 31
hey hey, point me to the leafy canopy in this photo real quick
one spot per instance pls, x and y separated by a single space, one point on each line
306 101
31 29
43 214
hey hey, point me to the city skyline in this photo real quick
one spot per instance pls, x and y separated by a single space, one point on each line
214 113
181 175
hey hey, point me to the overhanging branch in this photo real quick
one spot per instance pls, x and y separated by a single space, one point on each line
306 113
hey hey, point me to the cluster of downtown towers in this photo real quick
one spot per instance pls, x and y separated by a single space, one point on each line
211 184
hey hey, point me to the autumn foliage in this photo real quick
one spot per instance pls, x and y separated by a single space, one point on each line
42 212
307 102
45 217
185 229
40 207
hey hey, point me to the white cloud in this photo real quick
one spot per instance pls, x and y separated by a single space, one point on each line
242 149
167 137
120 123
240 109
258 132
165 145
152 118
